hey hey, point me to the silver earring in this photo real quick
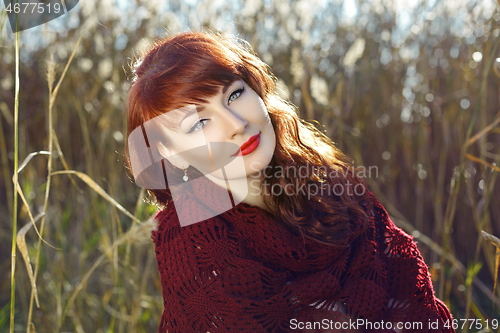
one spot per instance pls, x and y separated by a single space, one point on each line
185 178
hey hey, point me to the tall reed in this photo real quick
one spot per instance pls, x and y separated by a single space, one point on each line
16 184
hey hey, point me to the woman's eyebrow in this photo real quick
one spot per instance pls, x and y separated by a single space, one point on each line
198 108
226 86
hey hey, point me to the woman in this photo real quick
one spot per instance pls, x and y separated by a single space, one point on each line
265 226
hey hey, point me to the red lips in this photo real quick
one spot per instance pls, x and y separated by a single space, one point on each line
249 146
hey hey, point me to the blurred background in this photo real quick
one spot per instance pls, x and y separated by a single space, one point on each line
408 87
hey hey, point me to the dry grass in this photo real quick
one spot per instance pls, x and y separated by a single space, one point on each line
430 123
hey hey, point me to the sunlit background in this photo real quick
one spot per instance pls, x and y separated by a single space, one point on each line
410 87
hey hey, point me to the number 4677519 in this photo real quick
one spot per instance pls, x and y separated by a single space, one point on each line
33 7
471 323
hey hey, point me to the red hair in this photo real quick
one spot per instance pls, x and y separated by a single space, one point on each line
189 67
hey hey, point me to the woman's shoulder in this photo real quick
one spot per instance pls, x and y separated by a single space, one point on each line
394 243
167 224
379 215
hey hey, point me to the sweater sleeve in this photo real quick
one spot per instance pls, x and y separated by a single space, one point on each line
411 296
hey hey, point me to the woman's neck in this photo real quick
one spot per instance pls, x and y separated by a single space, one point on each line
247 190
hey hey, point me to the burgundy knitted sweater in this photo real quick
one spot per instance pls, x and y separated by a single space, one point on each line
241 271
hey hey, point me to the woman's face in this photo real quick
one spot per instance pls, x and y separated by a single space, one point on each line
232 131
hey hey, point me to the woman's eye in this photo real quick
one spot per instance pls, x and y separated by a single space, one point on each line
198 125
235 95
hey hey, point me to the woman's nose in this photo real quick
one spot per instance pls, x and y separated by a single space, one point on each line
234 123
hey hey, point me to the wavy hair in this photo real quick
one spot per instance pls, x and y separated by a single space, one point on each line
188 68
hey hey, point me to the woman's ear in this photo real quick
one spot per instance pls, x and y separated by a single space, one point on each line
171 156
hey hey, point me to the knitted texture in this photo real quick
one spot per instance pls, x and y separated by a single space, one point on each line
241 271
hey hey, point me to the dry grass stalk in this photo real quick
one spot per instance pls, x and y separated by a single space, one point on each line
52 96
451 206
483 162
23 198
63 160
139 232
483 132
14 210
495 241
21 244
92 184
